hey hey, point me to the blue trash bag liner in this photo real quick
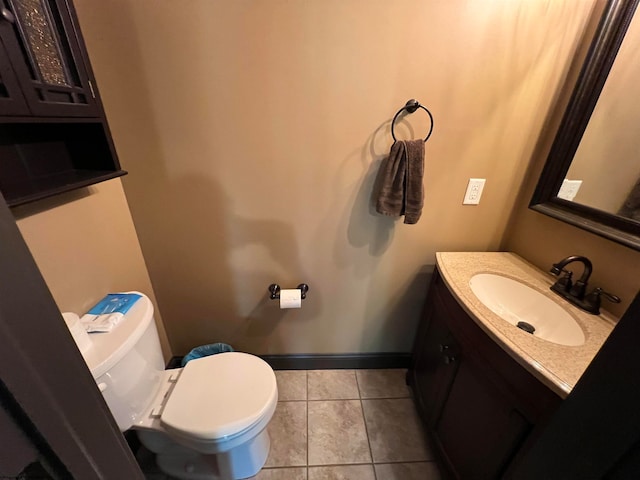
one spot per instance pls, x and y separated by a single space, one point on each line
205 351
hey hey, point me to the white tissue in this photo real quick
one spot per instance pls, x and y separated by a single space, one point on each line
101 323
77 331
291 298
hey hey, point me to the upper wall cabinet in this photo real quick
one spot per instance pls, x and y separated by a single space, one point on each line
11 100
43 71
54 135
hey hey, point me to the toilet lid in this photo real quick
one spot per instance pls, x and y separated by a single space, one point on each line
220 395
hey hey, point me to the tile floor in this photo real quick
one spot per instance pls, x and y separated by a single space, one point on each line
343 425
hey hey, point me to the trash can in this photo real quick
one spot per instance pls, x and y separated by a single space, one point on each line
205 351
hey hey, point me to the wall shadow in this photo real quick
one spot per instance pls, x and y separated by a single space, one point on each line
217 266
399 323
366 227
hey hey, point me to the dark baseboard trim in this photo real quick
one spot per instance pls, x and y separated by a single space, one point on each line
328 361
174 362
338 361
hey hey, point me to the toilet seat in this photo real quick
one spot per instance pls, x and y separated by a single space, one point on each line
220 397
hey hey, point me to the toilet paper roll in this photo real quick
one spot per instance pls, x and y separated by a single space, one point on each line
78 332
291 298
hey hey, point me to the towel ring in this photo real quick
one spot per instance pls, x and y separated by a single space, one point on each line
411 106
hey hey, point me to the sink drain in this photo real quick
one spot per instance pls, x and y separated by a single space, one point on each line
527 327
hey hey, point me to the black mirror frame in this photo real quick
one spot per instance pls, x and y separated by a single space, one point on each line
611 30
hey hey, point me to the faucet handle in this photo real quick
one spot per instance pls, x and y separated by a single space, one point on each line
557 269
593 299
609 296
565 282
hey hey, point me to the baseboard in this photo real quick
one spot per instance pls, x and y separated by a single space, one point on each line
328 361
338 361
174 362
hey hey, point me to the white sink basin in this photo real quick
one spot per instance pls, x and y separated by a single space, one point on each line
516 302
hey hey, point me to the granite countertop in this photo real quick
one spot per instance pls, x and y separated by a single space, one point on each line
557 366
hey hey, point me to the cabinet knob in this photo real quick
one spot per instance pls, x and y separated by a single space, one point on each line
7 15
448 359
443 348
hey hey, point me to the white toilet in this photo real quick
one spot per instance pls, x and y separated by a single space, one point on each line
204 421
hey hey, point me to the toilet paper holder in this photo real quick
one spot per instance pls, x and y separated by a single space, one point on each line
274 290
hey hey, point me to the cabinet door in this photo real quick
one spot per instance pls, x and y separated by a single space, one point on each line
435 362
11 100
45 53
479 429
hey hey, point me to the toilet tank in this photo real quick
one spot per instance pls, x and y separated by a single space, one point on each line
127 363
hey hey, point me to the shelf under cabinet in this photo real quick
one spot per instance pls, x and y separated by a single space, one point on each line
44 159
31 190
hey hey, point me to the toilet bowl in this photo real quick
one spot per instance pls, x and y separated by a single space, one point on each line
204 421
209 418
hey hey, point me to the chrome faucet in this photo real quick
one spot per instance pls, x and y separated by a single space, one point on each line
574 293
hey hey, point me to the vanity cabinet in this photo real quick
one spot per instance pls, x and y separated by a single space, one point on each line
53 133
480 407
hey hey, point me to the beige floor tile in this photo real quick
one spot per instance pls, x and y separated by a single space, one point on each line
292 384
408 471
332 385
342 472
337 434
386 383
295 473
395 433
288 432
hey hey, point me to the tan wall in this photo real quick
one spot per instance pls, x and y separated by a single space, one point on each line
85 245
253 130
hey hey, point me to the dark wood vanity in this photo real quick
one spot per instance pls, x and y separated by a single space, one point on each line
479 406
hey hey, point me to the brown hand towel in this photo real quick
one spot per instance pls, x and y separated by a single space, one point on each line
400 188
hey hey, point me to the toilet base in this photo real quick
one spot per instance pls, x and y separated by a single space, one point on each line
243 461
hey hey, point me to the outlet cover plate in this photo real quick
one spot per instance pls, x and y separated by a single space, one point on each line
474 191
569 189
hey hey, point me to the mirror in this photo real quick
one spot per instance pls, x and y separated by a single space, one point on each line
592 175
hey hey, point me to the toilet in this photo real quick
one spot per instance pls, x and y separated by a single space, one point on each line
204 421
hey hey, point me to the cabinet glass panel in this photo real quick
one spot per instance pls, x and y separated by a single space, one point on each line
47 58
38 29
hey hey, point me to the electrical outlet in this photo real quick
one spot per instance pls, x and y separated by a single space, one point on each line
569 189
474 191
